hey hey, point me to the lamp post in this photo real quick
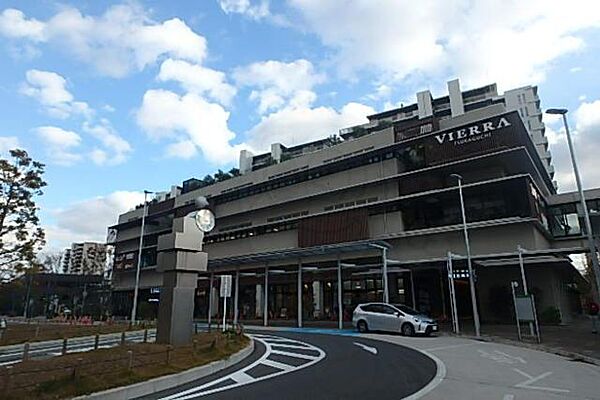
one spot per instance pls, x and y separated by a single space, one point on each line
459 179
139 261
586 215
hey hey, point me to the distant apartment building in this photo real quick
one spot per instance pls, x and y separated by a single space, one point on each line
307 230
87 258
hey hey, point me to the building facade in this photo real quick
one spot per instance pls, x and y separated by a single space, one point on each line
308 230
87 258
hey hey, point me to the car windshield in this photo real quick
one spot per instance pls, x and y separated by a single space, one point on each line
406 309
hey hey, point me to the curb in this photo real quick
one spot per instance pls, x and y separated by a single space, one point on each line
169 381
540 347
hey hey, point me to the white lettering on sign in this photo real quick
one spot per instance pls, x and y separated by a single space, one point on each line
472 133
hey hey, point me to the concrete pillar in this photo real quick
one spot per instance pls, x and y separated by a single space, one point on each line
456 101
236 298
299 294
266 298
180 259
424 104
339 295
258 301
209 293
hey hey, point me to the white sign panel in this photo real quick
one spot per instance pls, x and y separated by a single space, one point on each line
226 285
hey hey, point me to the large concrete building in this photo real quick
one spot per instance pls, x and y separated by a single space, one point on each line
87 258
307 229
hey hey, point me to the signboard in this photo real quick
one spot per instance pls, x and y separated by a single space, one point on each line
226 285
524 306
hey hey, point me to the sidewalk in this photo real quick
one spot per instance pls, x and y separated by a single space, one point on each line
577 337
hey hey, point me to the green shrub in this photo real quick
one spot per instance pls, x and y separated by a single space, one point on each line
550 315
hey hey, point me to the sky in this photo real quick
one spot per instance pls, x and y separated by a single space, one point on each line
118 97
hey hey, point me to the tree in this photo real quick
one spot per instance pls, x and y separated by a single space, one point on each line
21 237
51 261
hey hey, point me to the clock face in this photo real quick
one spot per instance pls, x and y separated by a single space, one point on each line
205 220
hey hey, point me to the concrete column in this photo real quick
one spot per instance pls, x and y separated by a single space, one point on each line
317 290
412 290
258 297
209 293
424 104
236 298
456 101
299 294
339 295
266 298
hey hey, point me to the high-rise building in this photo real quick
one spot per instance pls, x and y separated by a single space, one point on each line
87 258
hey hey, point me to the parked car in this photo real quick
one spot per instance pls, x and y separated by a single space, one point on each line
392 318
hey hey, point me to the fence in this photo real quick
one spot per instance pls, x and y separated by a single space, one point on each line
22 379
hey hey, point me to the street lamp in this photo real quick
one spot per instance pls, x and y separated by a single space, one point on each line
139 260
459 179
586 215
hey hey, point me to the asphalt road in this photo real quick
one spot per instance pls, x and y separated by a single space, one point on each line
288 365
14 353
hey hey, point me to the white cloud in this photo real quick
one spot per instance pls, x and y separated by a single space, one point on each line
49 89
111 140
185 149
8 143
198 79
121 40
14 24
510 42
60 144
278 83
253 10
88 219
586 138
575 70
190 119
292 126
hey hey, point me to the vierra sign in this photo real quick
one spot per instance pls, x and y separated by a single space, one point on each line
479 131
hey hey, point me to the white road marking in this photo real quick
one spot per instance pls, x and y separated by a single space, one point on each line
370 349
241 377
501 357
295 355
530 379
508 397
453 346
278 365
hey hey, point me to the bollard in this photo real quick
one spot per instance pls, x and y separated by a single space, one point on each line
64 347
122 338
26 351
145 335
169 349
96 341
76 368
8 378
130 355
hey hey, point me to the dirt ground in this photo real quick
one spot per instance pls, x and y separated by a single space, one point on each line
84 373
17 333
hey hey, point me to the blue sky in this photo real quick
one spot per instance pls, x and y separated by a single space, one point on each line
117 97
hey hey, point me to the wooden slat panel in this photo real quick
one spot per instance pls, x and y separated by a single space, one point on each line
344 226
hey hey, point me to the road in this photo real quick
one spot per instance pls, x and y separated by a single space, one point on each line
309 364
14 354
289 365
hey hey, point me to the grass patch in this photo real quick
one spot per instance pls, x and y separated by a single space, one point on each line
83 373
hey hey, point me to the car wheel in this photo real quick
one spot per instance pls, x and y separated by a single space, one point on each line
408 329
362 326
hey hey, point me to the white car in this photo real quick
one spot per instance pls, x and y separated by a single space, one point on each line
392 318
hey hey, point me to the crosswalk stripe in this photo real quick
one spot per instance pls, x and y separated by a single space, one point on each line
278 365
296 355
